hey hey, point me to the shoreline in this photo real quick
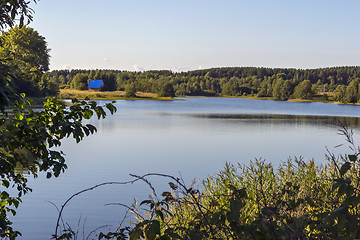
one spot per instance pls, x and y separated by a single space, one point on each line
119 95
272 99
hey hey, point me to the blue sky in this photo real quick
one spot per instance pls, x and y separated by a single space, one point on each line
183 35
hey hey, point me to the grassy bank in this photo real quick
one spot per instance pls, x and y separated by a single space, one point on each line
113 95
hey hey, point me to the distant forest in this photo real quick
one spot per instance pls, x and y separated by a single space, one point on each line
339 84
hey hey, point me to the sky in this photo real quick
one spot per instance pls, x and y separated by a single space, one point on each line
183 35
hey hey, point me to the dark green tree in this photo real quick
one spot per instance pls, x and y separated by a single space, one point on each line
9 11
352 92
166 90
339 94
80 81
231 88
303 90
25 51
130 90
278 89
48 87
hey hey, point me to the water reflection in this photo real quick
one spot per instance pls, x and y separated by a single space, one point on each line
353 122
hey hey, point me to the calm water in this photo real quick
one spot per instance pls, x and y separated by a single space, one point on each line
191 138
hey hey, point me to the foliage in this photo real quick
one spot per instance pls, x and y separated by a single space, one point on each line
130 90
9 9
8 95
27 138
80 82
339 93
352 91
276 83
166 90
303 90
25 51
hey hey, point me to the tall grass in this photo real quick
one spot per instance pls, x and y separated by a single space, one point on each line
112 95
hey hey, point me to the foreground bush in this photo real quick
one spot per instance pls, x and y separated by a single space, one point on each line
298 201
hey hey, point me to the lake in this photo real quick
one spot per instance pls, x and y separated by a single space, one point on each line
191 138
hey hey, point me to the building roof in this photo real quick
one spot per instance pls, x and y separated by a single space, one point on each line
95 83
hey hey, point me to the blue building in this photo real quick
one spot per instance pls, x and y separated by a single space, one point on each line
96 85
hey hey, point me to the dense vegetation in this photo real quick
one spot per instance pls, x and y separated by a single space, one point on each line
25 52
339 84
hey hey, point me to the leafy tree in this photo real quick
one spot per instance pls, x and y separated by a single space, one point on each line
339 93
277 89
352 92
231 88
166 90
303 90
109 81
25 51
265 88
80 81
287 90
9 10
48 87
130 90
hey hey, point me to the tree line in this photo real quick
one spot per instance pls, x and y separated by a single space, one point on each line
339 84
25 52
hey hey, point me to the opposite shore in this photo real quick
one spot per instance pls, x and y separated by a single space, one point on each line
120 95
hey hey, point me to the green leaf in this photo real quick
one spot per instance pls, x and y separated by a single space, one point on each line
88 114
146 202
166 194
172 185
160 214
344 168
19 116
16 203
215 218
234 213
4 195
13 212
152 229
91 128
352 158
5 183
136 234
